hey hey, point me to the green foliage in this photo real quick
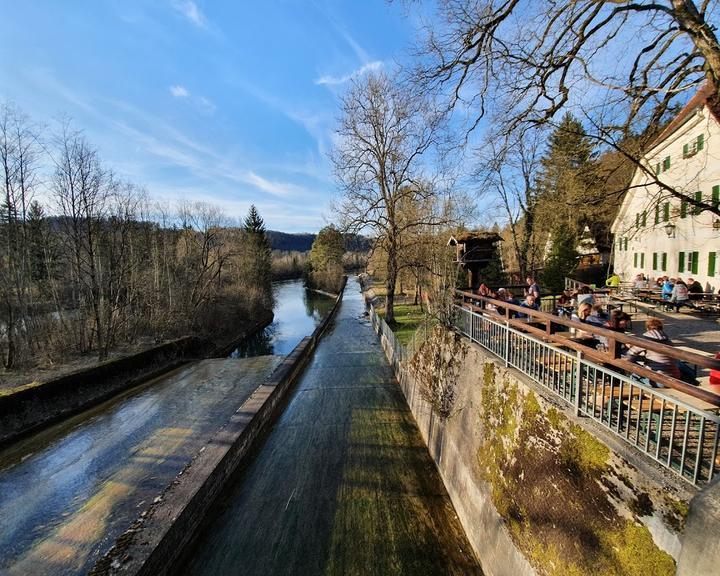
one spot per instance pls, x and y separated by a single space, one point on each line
257 264
254 224
561 260
325 263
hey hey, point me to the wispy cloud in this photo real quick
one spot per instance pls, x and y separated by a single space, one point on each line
334 80
191 12
179 91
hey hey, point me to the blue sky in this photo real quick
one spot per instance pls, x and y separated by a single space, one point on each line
227 102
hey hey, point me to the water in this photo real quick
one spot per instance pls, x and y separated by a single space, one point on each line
297 312
343 483
67 492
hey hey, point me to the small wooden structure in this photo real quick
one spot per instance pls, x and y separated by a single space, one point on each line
473 252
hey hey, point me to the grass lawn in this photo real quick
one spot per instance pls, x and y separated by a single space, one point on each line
408 318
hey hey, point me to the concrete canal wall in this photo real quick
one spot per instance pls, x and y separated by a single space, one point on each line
538 490
155 543
28 408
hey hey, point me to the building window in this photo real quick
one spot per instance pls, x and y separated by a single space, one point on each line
688 262
666 163
692 148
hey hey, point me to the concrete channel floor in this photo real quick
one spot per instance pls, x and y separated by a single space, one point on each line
343 483
68 491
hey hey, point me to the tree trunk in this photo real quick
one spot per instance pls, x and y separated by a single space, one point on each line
390 286
701 33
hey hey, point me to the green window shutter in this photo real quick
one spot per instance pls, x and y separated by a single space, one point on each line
644 218
716 196
657 168
683 208
698 198
642 259
657 213
700 142
655 261
686 150
626 241
666 212
666 163
637 220
695 262
681 262
635 259
664 262
711 263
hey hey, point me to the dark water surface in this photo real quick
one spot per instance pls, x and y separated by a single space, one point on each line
67 492
344 483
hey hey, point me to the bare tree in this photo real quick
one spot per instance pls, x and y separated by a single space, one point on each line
383 134
525 60
18 167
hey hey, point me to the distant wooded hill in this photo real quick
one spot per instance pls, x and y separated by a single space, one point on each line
303 242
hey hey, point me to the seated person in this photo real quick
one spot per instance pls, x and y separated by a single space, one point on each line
564 303
679 295
695 289
640 283
529 302
667 288
580 336
585 294
597 316
656 361
618 322
483 290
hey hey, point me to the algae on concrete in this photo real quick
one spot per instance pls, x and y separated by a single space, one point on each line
549 481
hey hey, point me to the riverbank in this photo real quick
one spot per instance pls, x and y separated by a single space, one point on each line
36 404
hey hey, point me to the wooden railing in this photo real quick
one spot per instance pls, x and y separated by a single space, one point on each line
545 326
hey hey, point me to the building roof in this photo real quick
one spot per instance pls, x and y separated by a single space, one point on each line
465 237
699 100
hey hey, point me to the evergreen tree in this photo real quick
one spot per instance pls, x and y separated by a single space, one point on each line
253 222
258 263
561 261
567 178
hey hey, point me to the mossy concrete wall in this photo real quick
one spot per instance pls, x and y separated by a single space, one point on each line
540 491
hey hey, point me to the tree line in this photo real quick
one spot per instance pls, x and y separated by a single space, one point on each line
543 110
89 263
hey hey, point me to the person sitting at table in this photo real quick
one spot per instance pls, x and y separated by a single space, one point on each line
695 289
484 290
680 294
585 294
529 302
667 288
640 283
619 321
580 336
564 303
655 361
597 315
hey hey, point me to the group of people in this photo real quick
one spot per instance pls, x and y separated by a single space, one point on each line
580 305
674 291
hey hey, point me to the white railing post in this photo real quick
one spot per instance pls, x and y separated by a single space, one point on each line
578 381
507 344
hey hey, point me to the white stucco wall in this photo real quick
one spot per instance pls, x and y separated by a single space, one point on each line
693 233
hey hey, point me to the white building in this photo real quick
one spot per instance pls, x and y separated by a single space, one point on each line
658 234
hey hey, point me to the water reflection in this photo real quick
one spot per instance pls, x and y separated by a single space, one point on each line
297 313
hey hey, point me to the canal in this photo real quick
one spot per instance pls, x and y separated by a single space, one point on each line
344 483
67 492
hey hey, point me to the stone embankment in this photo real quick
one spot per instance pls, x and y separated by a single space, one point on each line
28 408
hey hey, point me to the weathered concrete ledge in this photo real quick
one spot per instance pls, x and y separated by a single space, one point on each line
29 408
156 541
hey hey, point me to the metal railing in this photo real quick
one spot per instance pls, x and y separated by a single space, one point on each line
677 435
